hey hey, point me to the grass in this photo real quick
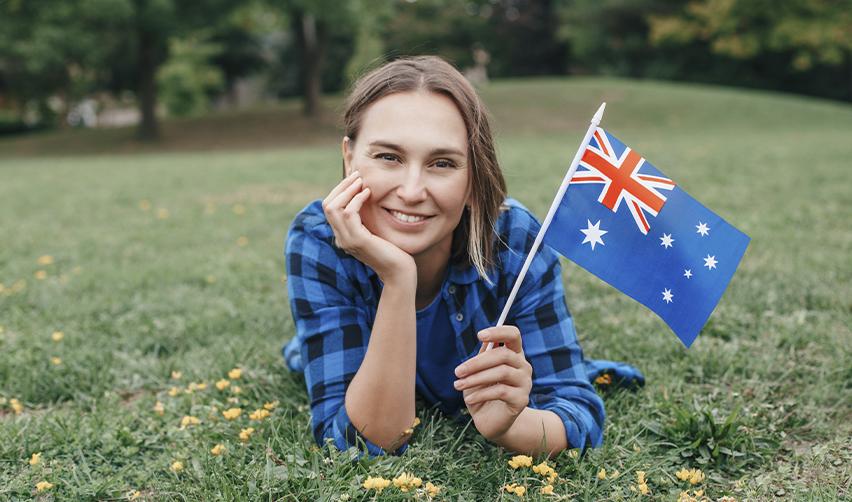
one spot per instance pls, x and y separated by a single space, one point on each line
150 276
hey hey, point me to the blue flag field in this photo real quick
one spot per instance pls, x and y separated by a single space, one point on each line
627 223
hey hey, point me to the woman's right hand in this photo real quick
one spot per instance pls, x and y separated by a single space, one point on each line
342 209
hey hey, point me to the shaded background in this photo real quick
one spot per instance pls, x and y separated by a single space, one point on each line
106 63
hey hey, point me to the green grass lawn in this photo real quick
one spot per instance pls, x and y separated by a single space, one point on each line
171 259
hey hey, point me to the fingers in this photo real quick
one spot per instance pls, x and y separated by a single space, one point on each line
496 357
515 396
344 183
508 335
502 374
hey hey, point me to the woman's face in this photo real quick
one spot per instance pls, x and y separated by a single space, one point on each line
412 154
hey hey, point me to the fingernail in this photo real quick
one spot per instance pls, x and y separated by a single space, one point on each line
459 371
457 384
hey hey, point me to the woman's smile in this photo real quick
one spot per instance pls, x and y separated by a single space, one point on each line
405 220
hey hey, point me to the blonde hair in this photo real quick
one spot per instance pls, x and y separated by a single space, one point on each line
474 237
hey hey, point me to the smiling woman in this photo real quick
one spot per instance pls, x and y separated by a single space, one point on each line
396 279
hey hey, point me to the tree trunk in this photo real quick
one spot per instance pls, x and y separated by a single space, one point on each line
312 41
149 129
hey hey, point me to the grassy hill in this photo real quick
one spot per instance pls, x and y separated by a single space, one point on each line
169 257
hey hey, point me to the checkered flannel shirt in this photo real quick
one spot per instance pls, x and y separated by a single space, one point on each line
334 297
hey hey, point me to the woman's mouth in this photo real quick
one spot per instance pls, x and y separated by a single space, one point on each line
406 219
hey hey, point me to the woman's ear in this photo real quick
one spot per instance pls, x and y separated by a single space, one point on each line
346 150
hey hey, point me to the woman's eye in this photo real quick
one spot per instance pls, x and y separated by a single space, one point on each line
386 156
445 164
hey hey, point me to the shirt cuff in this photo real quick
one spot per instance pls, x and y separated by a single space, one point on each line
345 435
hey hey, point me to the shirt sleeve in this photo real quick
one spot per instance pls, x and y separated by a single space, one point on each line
550 344
333 333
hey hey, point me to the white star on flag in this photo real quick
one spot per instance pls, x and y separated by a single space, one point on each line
593 234
666 240
703 229
710 262
687 273
667 295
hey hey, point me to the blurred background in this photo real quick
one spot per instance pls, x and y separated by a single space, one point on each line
133 63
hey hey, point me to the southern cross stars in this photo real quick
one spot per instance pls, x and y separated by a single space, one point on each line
667 295
687 273
710 262
703 229
593 234
666 240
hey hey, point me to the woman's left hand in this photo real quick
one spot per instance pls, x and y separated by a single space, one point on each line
496 384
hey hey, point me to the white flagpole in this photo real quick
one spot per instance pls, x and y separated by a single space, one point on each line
596 120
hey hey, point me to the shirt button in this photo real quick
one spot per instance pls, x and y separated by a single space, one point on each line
452 289
459 317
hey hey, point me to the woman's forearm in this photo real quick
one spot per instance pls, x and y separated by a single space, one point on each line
531 430
380 398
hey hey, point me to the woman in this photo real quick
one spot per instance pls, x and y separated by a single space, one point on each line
398 276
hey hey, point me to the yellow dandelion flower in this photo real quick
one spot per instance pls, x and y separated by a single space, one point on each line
236 389
176 375
727 498
242 241
246 433
201 385
234 400
235 374
416 422
45 260
217 450
520 490
189 421
239 209
602 474
683 474
640 477
259 414
176 466
270 406
636 448
159 409
133 494
604 379
223 384
520 461
41 275
698 493
145 205
574 453
432 490
16 405
174 391
57 336
696 476
643 489
614 474
43 485
211 279
232 413
407 481
35 459
162 213
56 361
377 484
546 490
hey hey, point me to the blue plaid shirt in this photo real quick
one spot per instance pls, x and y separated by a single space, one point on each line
334 298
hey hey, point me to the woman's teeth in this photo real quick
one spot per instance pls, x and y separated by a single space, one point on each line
407 217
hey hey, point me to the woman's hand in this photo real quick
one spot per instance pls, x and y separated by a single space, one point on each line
496 384
341 208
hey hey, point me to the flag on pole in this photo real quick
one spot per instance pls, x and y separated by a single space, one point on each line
623 220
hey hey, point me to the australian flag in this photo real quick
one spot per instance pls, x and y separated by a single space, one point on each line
626 222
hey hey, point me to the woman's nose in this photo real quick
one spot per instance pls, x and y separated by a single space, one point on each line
412 188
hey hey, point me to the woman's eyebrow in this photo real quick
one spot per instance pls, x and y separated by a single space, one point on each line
437 151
